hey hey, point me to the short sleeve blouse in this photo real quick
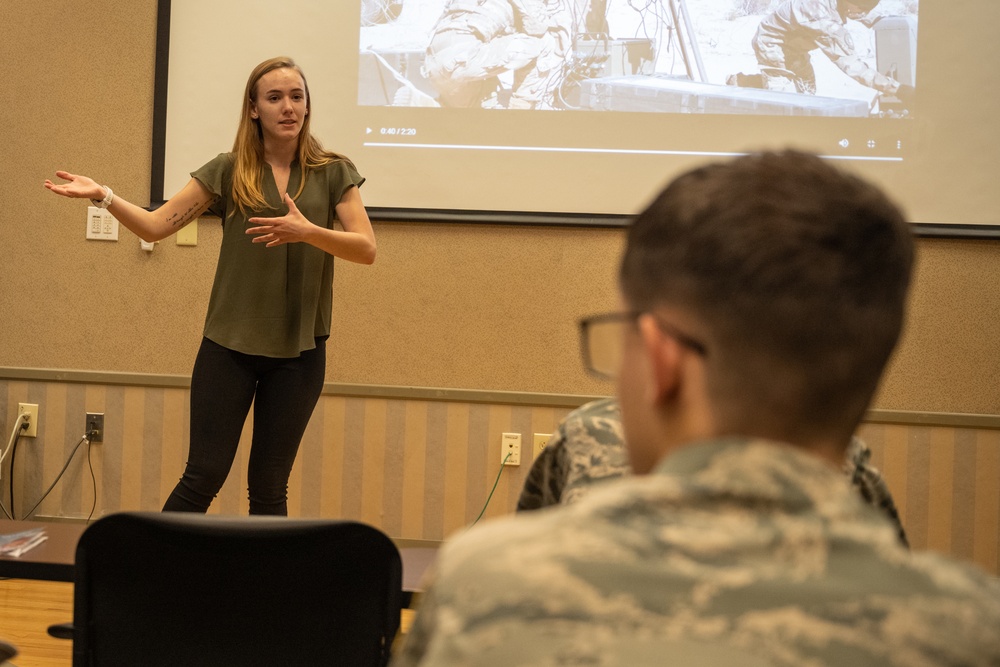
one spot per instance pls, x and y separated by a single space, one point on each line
276 301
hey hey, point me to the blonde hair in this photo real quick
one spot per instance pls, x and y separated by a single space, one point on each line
248 148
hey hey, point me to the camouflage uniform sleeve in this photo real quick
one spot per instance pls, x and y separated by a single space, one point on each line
595 449
871 485
587 447
836 43
546 478
863 73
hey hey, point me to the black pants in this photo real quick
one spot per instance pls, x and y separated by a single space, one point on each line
223 386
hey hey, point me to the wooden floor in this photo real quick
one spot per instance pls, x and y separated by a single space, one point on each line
28 608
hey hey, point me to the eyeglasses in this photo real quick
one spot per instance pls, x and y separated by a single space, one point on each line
602 337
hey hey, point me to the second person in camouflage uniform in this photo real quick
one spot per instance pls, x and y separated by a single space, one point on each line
588 447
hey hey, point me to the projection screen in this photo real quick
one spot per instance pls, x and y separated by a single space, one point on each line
578 111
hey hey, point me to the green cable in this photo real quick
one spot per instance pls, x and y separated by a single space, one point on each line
502 464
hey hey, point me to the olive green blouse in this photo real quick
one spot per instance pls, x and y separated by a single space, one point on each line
273 302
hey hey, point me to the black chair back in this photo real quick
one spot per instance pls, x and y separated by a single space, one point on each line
180 589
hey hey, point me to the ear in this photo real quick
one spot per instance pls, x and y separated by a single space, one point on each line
664 355
253 111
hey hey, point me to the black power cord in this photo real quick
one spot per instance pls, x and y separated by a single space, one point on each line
13 453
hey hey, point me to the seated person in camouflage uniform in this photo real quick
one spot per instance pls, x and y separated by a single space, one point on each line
786 36
588 448
761 299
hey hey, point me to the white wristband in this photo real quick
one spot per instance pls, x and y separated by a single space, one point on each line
108 198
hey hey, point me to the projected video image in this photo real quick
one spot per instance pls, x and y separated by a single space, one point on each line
848 58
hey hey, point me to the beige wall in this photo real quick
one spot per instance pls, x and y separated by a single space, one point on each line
446 305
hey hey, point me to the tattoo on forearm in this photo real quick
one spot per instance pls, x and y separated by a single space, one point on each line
183 218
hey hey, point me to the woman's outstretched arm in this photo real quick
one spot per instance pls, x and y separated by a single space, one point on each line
179 210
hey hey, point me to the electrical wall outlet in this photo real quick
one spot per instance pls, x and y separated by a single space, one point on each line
95 426
30 409
541 441
510 449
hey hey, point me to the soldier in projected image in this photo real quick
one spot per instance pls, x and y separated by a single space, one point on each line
786 36
475 42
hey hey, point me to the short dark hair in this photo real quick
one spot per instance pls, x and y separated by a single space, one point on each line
797 271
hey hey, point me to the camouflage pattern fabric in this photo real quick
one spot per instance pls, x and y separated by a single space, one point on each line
786 36
870 484
585 449
475 41
731 552
588 448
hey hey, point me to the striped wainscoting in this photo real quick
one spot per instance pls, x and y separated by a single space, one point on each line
418 469
946 484
421 464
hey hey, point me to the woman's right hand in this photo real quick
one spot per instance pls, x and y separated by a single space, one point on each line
78 187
